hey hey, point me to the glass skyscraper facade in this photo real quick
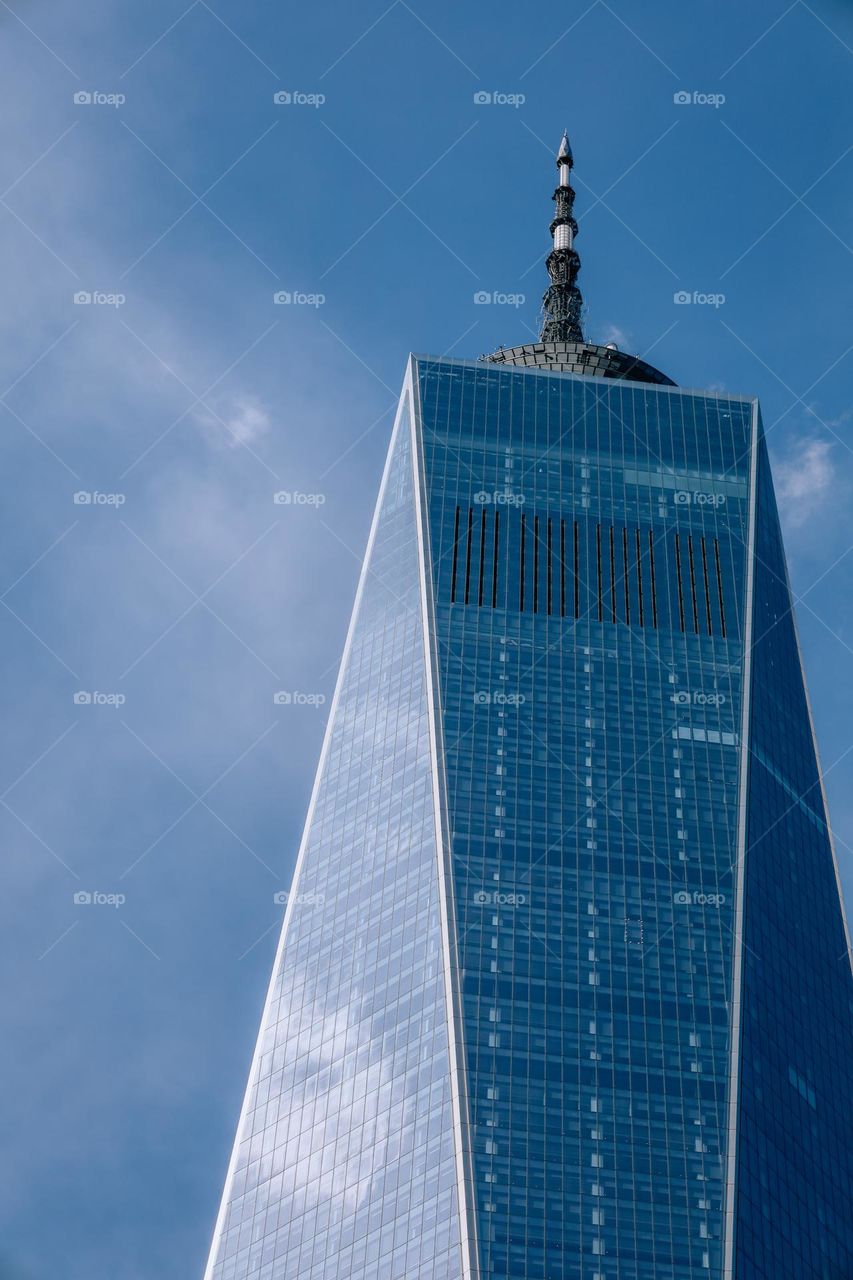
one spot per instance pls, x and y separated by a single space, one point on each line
564 988
591 689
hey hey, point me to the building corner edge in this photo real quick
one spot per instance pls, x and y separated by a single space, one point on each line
452 986
734 1081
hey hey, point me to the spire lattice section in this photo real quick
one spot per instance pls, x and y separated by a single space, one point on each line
562 300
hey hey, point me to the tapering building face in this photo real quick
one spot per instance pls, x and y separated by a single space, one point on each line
564 988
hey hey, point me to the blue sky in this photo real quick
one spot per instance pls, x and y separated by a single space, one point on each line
184 398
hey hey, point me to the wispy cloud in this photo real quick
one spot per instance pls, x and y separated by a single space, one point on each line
612 333
803 479
242 421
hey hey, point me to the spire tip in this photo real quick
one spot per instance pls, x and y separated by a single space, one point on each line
562 301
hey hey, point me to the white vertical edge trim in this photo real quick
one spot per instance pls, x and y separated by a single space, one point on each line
743 798
453 993
327 738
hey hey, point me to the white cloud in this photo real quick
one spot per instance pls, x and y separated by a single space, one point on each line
612 333
803 479
241 422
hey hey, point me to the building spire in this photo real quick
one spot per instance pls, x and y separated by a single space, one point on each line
562 299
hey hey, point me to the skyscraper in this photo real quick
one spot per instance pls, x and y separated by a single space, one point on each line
564 986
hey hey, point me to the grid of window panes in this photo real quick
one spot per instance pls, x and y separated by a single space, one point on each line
346 1161
592 771
795 1174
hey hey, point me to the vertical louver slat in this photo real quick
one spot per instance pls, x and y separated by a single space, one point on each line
640 580
521 565
678 577
707 586
577 581
693 583
653 580
482 575
720 588
613 617
468 555
625 576
598 572
495 559
562 568
455 558
535 564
